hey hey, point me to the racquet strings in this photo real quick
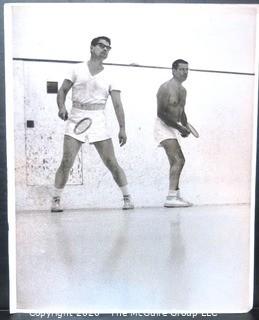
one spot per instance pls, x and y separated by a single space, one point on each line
193 131
82 125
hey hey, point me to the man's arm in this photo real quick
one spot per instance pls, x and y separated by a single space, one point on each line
61 98
117 104
185 124
184 119
183 98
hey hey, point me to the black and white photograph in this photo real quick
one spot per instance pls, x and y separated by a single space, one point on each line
131 149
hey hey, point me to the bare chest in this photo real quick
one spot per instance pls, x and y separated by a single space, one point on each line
177 98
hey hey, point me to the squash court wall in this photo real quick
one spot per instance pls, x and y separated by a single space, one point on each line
218 164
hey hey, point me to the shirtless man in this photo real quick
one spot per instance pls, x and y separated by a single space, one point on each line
91 86
171 122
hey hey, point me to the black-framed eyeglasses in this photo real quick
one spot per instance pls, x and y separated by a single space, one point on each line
102 46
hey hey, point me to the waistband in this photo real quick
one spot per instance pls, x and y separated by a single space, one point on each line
160 120
88 106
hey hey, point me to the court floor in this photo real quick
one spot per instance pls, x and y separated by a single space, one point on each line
146 260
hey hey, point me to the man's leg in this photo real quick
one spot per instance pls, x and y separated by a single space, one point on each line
176 161
71 147
106 152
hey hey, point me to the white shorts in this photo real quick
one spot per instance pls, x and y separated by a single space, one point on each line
163 132
98 130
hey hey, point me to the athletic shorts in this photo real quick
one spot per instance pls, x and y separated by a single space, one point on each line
98 130
163 132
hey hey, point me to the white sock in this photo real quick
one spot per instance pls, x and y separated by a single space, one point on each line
57 192
173 193
125 190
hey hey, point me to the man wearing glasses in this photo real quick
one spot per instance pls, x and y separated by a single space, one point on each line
170 123
91 86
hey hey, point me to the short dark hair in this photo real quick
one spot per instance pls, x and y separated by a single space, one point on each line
176 63
96 40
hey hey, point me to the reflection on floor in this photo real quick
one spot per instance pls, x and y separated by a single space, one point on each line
145 260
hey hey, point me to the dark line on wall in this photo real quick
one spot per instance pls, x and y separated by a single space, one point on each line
46 60
227 72
133 65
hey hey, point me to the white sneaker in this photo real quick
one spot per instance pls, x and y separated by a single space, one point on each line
55 205
176 202
128 204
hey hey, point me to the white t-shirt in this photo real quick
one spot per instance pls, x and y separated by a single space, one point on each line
90 89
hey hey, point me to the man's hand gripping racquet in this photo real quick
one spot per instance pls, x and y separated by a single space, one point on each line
81 125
